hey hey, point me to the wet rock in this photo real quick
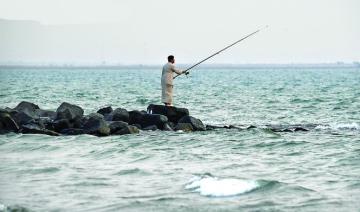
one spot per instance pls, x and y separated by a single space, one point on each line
105 110
250 127
137 125
24 117
120 114
196 123
7 123
167 127
150 128
45 113
135 116
213 127
127 130
26 107
296 129
117 125
36 129
96 125
69 111
73 131
153 119
61 124
186 127
174 114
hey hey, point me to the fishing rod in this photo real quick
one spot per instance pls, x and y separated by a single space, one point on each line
186 72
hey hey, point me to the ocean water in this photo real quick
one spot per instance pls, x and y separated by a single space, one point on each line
219 170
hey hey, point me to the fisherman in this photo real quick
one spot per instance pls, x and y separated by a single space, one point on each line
167 85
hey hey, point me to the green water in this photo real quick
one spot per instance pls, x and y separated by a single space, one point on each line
221 170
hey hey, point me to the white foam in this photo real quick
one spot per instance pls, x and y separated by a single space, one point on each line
2 207
212 186
339 126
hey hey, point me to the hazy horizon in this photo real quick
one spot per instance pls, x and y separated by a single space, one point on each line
137 32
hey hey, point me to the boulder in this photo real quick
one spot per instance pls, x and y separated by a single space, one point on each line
153 119
69 111
36 129
105 110
117 125
26 106
173 114
24 117
186 127
127 130
167 127
196 123
137 125
45 113
72 131
150 128
7 123
61 124
96 125
135 116
120 114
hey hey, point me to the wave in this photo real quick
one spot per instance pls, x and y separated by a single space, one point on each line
10 208
339 126
208 185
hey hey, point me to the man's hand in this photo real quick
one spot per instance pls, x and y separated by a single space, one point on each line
185 72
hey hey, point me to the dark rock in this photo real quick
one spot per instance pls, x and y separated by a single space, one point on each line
171 124
77 122
137 125
36 129
96 125
196 123
250 127
167 127
38 122
26 106
284 130
117 125
173 114
105 110
72 131
150 128
296 129
24 117
135 116
59 125
120 114
45 113
186 127
7 123
213 127
127 130
153 119
69 111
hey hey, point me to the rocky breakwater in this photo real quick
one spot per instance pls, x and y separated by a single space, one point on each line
69 119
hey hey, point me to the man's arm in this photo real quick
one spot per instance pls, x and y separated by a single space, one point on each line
178 71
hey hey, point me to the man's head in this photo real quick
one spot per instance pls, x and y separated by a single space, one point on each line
171 59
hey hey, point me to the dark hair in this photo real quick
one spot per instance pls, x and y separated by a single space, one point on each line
170 58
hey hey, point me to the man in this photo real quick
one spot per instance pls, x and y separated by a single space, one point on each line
167 85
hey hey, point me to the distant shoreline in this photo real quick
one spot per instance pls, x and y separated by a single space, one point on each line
216 66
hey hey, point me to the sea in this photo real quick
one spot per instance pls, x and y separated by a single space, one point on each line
253 169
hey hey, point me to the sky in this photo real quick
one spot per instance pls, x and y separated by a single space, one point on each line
146 32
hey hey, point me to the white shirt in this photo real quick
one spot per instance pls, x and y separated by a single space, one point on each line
168 74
